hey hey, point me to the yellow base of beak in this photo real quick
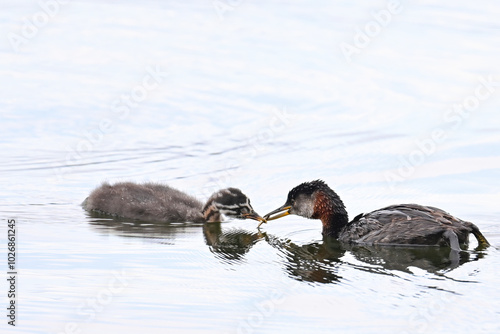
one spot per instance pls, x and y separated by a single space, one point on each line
282 212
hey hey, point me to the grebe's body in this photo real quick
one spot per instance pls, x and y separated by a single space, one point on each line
161 203
403 224
410 224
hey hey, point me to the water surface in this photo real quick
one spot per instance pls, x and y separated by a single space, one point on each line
258 95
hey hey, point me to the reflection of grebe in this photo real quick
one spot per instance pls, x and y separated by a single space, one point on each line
161 203
404 224
321 261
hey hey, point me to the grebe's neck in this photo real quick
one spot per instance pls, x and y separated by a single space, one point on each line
330 209
211 213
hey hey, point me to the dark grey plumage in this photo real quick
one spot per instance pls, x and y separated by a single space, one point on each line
161 203
403 224
410 224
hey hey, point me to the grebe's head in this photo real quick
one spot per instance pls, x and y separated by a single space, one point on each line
300 201
230 202
310 199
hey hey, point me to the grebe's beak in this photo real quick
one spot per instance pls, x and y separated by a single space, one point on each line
281 212
255 216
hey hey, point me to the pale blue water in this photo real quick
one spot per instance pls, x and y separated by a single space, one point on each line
386 103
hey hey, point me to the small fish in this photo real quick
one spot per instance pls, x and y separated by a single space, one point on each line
262 222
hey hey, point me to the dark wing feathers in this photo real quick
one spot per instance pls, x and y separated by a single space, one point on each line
406 224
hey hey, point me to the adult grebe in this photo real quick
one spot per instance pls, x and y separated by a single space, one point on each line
403 224
161 203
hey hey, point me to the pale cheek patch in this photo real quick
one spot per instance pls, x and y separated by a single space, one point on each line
305 207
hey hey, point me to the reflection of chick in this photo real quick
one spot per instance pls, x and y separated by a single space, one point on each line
229 245
161 203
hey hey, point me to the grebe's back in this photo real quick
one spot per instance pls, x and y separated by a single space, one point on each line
410 224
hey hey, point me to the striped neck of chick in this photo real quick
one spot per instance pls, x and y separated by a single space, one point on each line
230 202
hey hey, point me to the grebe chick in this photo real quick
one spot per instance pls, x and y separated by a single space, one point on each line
403 224
161 203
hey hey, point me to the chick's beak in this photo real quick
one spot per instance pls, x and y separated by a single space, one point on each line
282 211
255 216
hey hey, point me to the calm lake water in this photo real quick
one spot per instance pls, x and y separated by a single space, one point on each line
388 102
